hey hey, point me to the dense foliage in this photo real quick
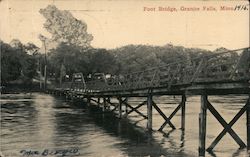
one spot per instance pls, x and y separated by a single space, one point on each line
20 62
139 57
65 28
16 63
72 59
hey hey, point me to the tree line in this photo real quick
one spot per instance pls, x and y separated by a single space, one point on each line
24 63
73 53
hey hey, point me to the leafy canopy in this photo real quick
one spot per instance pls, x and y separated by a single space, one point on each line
65 28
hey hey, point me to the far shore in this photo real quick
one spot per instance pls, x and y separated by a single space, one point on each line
20 88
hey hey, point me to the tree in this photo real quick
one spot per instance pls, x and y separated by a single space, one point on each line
65 28
16 64
101 61
132 58
10 65
15 43
69 56
31 49
69 59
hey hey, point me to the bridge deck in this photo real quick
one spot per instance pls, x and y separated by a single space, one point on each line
193 89
218 74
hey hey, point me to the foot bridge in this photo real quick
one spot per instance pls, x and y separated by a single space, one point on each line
217 74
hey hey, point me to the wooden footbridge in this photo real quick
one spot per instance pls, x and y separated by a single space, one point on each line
217 74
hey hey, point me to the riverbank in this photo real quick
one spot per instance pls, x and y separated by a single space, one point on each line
15 88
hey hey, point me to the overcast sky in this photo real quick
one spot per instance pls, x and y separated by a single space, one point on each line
118 23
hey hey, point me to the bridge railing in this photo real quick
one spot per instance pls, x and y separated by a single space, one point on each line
224 67
78 83
227 66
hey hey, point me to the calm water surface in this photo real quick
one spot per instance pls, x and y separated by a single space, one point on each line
38 122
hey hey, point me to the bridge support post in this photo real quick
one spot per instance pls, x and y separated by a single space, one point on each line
183 111
88 100
120 107
248 123
66 97
107 103
98 101
104 105
126 107
149 112
202 126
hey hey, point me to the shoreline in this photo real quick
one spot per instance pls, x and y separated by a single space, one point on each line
19 88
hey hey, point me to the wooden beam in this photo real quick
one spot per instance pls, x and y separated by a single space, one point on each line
136 110
171 116
227 127
112 104
115 107
108 103
167 120
104 104
248 122
137 107
149 112
120 107
183 111
124 100
126 109
89 99
202 125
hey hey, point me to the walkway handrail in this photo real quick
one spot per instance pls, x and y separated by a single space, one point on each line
223 66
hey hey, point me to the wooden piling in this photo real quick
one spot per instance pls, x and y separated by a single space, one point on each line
202 125
98 101
120 107
104 105
183 111
126 107
248 123
149 112
88 100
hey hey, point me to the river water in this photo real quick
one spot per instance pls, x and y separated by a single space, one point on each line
35 124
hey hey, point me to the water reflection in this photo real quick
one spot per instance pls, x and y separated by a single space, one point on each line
18 123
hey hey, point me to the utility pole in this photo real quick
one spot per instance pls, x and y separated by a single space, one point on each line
45 67
40 73
43 39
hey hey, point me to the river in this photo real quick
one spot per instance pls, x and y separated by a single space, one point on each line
35 124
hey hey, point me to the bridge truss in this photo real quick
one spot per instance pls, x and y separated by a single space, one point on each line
217 74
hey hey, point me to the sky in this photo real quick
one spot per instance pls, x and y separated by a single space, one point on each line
118 23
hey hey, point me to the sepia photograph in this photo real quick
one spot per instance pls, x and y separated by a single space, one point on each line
124 78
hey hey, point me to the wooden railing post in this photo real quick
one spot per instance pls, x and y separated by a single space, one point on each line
202 125
149 112
183 111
